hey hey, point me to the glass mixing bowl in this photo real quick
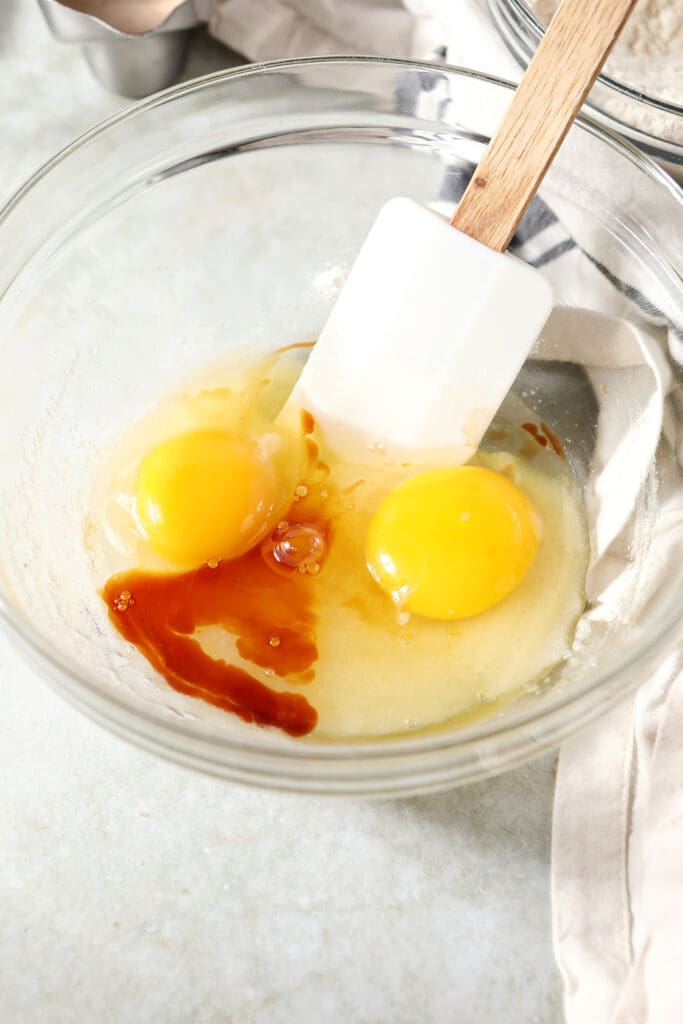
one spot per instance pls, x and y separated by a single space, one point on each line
224 212
651 123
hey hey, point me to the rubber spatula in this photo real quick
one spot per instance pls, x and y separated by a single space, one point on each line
434 320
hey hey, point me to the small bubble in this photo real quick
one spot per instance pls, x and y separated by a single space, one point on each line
482 697
377 448
212 563
270 672
274 641
302 570
405 640
313 568
403 618
349 507
123 601
282 525
298 545
323 494
301 491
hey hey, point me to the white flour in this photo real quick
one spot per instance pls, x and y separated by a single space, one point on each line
648 57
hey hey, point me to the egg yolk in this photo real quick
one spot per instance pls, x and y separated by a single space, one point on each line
204 495
450 543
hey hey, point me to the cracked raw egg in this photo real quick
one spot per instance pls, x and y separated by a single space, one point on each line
203 495
451 543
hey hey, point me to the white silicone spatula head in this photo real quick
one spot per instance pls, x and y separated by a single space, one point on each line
433 324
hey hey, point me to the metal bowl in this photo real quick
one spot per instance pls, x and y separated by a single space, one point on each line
131 65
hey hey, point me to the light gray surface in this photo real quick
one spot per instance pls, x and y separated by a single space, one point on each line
132 891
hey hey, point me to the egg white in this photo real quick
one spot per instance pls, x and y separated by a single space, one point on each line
378 673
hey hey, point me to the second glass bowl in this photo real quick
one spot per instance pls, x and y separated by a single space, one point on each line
650 123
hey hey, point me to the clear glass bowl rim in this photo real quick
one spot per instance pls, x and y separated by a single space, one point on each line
538 28
596 693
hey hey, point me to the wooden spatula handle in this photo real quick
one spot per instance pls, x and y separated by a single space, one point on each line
548 98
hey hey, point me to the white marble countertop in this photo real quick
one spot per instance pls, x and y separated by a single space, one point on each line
134 891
